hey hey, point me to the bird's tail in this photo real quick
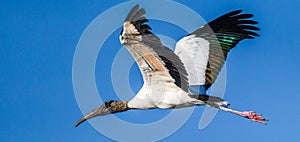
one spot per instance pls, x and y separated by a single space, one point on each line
199 92
211 100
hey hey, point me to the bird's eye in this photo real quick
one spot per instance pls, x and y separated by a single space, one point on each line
108 104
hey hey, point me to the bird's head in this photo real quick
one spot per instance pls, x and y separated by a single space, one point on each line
108 107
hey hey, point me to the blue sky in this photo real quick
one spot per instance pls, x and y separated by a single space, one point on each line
38 41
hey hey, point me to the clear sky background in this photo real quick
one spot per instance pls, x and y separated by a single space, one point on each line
38 40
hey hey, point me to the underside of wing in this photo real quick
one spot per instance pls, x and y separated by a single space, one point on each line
205 50
153 59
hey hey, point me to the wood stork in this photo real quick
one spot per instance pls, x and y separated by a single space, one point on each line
180 79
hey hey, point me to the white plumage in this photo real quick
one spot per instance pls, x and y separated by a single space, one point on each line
193 52
162 95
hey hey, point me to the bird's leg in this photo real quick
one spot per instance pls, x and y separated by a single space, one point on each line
247 114
219 103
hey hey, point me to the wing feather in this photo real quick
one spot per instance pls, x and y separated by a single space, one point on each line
147 49
222 34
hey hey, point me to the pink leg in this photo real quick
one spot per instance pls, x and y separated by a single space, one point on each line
247 114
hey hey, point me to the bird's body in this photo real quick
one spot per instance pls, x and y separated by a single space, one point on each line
180 78
162 95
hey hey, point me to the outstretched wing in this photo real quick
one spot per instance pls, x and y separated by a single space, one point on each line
205 50
156 62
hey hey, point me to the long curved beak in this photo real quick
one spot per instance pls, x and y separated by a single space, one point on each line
101 110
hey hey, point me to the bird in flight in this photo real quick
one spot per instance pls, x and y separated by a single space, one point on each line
181 78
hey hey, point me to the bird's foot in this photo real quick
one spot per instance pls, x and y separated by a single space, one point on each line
254 117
